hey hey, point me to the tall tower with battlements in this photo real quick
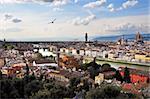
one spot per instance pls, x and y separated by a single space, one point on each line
86 37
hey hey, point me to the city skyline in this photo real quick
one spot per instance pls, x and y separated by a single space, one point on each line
28 19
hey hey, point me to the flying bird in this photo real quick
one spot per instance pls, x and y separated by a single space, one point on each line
52 21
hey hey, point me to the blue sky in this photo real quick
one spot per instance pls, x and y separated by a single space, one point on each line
28 19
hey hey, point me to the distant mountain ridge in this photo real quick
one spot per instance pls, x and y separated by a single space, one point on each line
129 37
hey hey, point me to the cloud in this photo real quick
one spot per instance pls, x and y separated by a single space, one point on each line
111 7
11 1
83 21
76 1
127 28
95 4
14 29
55 2
59 2
8 16
129 3
16 20
34 27
57 9
125 5
118 9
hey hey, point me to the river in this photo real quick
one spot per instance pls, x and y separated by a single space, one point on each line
117 65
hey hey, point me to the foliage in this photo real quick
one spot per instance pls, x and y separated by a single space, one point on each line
1 75
93 69
18 88
105 67
127 77
39 56
74 82
41 94
106 92
53 90
49 88
8 90
84 66
8 46
32 87
86 85
118 76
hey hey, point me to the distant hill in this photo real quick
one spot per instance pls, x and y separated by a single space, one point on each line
129 37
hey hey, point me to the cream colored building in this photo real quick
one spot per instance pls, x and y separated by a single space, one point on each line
142 57
2 62
111 55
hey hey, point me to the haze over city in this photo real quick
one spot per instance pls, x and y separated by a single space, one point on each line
28 19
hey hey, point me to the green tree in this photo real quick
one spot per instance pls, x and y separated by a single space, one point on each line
8 46
84 66
7 89
105 67
26 78
54 90
32 87
74 82
19 86
39 56
86 85
1 76
41 94
93 69
127 77
118 76
106 92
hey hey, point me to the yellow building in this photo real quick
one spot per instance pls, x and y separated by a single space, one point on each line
58 76
99 79
2 62
4 72
142 57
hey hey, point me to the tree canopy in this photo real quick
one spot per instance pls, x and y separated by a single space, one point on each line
127 77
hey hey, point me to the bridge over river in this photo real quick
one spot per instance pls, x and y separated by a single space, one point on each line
117 64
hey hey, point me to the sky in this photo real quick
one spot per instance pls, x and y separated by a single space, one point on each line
30 19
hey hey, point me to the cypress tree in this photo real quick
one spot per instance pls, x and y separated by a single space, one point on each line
118 76
127 77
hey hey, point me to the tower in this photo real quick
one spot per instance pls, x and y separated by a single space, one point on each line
121 40
139 37
86 37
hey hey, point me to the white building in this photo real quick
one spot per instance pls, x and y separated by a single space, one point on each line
74 52
105 53
82 52
43 64
88 53
94 53
46 52
62 50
